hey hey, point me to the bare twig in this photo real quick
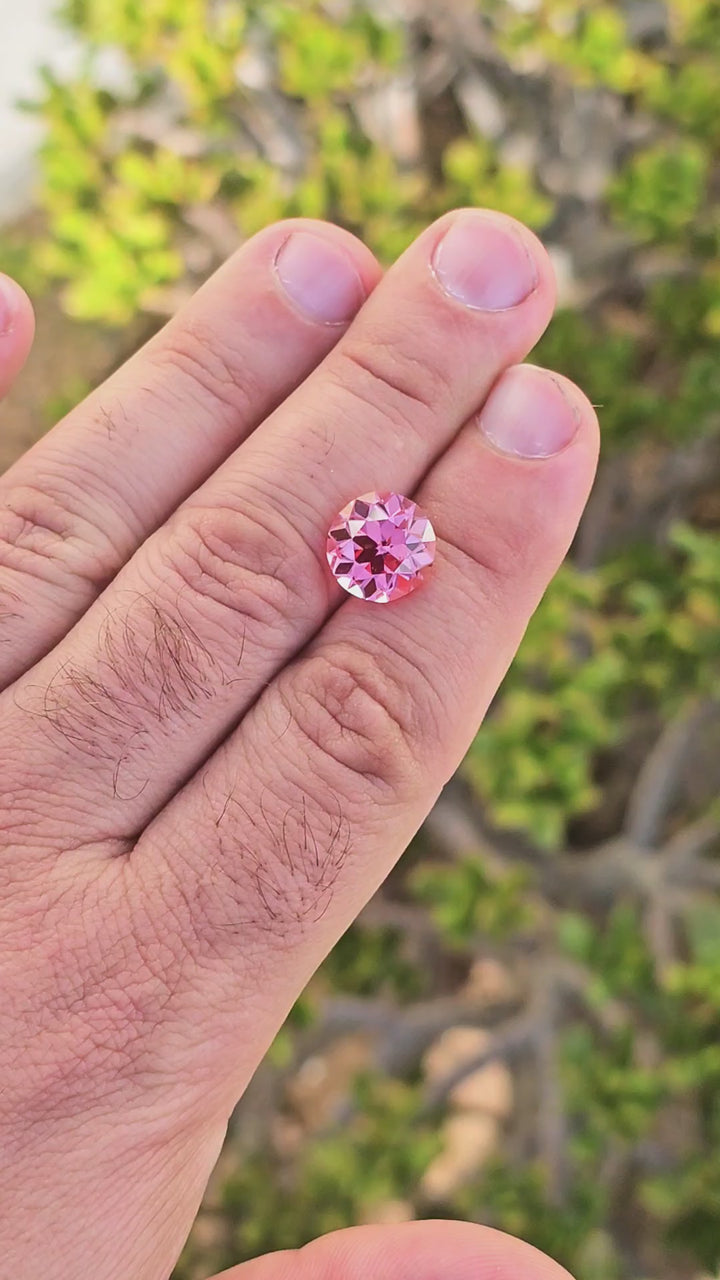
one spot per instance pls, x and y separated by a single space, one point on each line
405 917
415 1030
683 854
594 878
551 1118
658 780
660 933
509 1042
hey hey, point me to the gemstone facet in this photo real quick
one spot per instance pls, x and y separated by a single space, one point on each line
379 545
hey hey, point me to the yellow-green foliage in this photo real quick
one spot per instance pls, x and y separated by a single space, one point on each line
340 1177
642 634
118 199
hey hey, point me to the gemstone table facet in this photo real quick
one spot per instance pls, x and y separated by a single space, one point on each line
379 545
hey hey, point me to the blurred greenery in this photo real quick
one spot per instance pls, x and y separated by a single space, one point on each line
591 885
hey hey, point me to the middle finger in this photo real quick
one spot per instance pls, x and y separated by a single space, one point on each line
213 605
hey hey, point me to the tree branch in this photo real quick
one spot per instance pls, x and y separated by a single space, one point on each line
657 783
508 1043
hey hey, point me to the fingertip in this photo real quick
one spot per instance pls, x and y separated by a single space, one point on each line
319 278
426 1250
366 264
17 329
583 407
16 311
534 413
363 260
434 1249
491 224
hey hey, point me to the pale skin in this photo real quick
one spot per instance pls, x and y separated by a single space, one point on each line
209 756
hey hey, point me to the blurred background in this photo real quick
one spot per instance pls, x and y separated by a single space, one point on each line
523 1028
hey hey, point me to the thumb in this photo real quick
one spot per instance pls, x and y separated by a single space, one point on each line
413 1251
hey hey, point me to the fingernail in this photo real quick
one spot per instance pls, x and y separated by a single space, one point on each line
319 278
529 414
482 262
8 304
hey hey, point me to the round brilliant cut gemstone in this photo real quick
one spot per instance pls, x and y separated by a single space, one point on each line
379 546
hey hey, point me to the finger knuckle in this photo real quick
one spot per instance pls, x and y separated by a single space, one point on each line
356 720
43 536
208 367
242 568
395 375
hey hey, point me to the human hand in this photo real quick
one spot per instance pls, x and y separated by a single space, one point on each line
207 766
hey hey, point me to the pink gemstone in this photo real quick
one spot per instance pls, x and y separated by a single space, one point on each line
379 545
